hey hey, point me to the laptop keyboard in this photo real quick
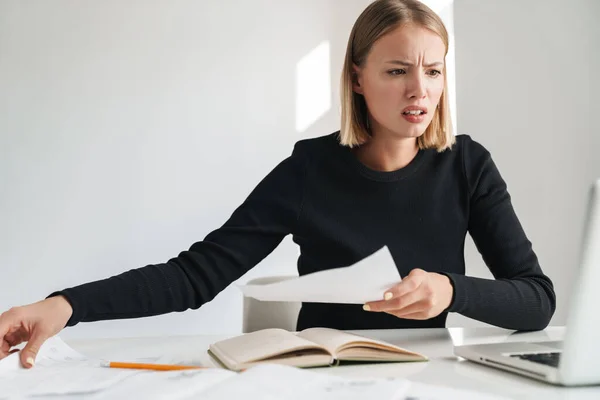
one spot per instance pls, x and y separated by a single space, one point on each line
550 359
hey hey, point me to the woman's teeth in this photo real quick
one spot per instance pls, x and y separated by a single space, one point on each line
413 112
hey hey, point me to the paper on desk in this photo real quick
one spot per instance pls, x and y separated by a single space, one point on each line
422 391
365 281
58 370
272 381
171 385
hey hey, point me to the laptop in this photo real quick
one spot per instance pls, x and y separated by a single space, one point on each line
575 360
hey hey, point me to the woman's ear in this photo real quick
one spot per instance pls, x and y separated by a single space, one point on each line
357 79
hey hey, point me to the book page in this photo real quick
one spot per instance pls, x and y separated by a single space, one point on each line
331 339
260 345
340 343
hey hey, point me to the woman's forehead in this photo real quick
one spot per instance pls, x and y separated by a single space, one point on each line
408 42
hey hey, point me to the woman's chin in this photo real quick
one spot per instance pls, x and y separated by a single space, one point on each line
411 133
411 130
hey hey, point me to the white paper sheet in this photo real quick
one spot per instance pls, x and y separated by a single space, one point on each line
365 281
275 382
422 391
64 374
58 370
170 385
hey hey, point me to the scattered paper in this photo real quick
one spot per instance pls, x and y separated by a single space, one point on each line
58 370
270 382
61 373
422 391
171 385
365 281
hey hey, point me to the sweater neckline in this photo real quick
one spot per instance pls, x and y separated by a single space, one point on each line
382 176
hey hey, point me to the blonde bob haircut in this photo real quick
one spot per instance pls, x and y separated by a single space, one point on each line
379 18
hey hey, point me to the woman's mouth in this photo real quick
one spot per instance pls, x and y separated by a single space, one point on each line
414 116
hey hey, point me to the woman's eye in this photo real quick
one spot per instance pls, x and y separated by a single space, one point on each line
434 72
397 72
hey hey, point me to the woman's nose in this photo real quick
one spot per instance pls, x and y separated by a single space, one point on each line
416 87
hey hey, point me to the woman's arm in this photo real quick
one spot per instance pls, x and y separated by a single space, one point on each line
522 296
196 276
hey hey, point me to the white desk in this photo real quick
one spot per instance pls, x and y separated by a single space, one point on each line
442 369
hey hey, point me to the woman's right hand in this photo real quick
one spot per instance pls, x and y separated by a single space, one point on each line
34 324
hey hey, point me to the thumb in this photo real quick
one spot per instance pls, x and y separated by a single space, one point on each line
30 351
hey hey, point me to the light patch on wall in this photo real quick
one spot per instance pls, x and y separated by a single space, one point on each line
313 87
444 8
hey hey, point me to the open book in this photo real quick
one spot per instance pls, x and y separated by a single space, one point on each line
313 347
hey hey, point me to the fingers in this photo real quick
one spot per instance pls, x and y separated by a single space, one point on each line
29 352
395 303
12 339
4 348
9 321
408 284
421 295
419 307
5 323
33 323
401 295
16 337
420 315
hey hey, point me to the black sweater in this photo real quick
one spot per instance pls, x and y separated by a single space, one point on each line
339 211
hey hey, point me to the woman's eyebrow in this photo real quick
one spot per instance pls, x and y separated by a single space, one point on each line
409 64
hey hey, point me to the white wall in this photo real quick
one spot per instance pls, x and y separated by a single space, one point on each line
130 129
528 86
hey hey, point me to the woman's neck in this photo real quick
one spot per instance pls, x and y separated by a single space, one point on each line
387 154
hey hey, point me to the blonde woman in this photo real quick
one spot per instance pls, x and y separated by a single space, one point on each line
393 175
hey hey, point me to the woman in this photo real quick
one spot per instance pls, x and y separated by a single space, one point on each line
394 175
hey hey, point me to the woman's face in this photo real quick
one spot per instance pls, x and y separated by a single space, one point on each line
402 81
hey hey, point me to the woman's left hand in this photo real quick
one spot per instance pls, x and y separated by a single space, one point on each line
421 295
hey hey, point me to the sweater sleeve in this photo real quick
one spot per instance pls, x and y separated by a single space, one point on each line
521 297
197 275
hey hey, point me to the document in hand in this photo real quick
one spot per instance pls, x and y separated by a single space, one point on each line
365 281
311 347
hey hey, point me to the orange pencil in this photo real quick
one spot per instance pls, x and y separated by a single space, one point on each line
153 367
